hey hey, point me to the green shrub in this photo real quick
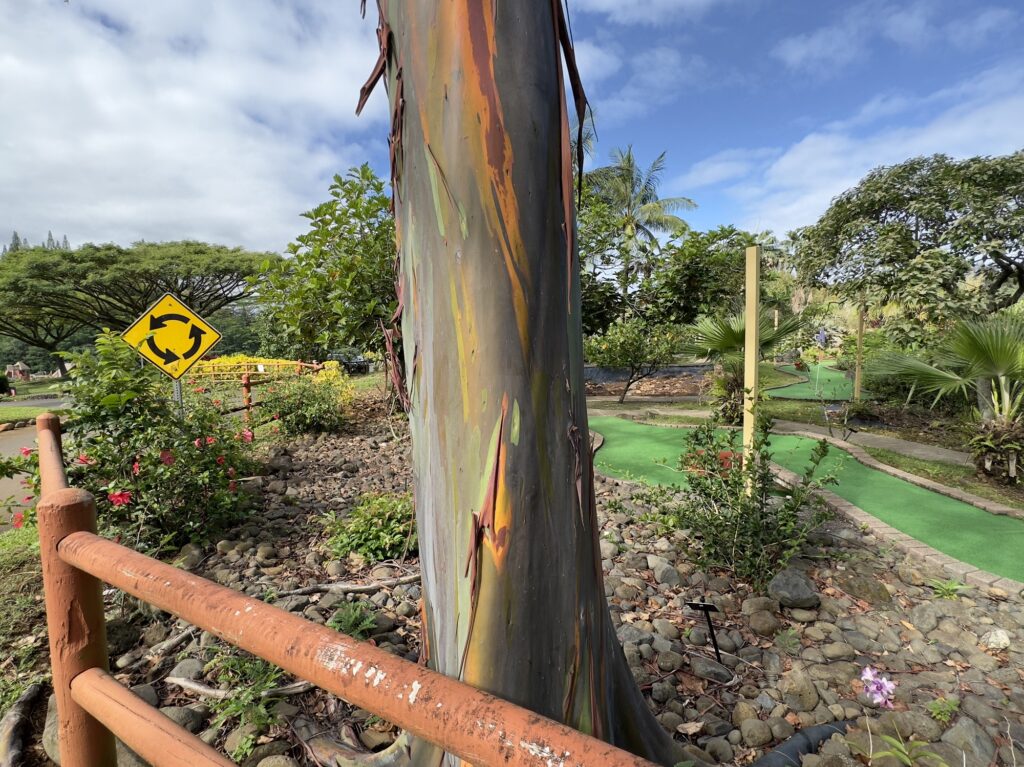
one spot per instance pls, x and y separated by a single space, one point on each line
382 526
745 524
355 619
303 404
250 680
159 480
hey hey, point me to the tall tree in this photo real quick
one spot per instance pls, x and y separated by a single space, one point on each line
110 286
632 192
702 274
338 286
940 238
482 179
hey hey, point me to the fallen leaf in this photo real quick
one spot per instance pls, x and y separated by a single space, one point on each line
690 728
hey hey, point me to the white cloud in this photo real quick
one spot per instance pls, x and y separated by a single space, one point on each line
973 32
645 11
596 62
824 51
979 116
218 121
655 78
720 167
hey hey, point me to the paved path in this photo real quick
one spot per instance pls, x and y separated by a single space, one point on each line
10 443
866 439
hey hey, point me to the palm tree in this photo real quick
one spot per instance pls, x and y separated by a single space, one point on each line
721 340
984 359
632 192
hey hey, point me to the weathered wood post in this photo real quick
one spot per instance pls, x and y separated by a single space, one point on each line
858 371
751 348
247 396
74 605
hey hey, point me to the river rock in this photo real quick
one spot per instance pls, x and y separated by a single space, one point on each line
793 589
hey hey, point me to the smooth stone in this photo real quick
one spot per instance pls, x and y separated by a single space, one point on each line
793 589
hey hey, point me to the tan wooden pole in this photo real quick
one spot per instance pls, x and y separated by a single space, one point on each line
751 347
858 370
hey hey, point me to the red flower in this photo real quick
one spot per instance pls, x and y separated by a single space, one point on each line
120 498
211 440
26 451
18 519
28 499
247 435
167 457
232 486
136 468
220 460
198 442
85 460
231 471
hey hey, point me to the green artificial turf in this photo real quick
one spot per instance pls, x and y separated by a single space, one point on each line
822 383
989 542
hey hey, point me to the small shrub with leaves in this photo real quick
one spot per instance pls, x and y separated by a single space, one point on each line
788 641
912 753
745 524
942 710
356 619
250 679
382 526
305 404
946 589
160 479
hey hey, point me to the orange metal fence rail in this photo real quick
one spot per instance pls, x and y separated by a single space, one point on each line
91 705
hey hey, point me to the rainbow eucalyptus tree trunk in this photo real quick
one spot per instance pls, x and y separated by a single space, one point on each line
489 284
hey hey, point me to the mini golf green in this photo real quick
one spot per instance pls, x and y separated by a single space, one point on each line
989 542
822 382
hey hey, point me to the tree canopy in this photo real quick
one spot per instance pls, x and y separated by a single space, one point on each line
338 286
940 237
49 295
631 194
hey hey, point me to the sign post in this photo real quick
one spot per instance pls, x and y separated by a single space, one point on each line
751 348
172 337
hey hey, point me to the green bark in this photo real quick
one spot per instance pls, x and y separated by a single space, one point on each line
489 282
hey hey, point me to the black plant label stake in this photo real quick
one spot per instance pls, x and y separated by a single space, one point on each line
707 608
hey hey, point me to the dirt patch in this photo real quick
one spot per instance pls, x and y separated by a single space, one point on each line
683 385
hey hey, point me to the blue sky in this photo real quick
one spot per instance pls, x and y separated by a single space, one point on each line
224 121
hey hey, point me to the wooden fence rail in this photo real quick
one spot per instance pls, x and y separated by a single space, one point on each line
92 706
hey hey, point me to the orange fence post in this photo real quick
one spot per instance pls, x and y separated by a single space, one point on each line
74 621
247 395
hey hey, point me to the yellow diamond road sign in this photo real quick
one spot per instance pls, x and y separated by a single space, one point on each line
171 336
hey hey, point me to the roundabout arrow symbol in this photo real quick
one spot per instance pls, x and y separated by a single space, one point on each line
165 354
196 334
155 323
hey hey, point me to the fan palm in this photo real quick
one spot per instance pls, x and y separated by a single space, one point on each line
721 340
985 359
632 192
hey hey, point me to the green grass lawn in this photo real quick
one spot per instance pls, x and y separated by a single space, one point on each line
371 383
11 413
772 377
822 382
962 477
34 388
990 542
22 621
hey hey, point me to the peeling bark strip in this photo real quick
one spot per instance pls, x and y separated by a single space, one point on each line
489 284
